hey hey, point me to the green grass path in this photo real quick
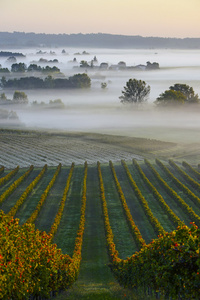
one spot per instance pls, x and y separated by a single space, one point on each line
135 206
124 241
49 210
67 229
94 266
171 202
95 279
31 202
154 205
189 186
5 186
13 197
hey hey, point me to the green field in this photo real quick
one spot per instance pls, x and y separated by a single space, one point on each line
96 281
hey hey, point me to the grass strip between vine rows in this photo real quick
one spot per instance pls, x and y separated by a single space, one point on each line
58 216
153 220
117 264
188 210
179 184
133 227
15 184
188 179
28 190
8 176
44 196
113 253
173 217
191 169
2 169
134 273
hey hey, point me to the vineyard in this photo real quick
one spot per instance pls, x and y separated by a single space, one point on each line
26 147
105 218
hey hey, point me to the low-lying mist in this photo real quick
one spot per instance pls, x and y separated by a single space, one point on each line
178 125
99 110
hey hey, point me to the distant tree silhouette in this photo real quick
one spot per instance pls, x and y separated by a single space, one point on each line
135 92
75 81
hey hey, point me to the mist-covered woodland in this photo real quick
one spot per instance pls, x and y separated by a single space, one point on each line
95 80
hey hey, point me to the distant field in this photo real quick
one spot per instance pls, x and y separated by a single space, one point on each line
95 274
25 147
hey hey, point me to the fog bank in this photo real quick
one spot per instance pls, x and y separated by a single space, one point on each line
100 110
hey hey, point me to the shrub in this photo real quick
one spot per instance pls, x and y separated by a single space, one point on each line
170 264
29 263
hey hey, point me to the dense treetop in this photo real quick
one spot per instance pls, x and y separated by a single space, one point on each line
178 94
75 81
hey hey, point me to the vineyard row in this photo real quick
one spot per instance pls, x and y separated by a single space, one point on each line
143 173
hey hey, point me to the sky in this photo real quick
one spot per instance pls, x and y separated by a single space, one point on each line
163 18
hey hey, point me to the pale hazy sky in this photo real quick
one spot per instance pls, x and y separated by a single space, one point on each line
164 18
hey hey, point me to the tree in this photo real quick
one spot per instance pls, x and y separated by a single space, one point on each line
3 81
170 98
186 90
152 66
56 104
20 97
3 97
103 85
49 82
4 70
6 115
80 81
51 69
21 67
84 64
135 92
34 67
13 115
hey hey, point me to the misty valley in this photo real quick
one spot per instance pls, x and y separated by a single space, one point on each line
99 163
91 103
99 150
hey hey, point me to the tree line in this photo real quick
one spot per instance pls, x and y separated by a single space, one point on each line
22 68
20 97
75 81
97 40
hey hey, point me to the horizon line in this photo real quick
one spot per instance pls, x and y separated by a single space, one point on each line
98 33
